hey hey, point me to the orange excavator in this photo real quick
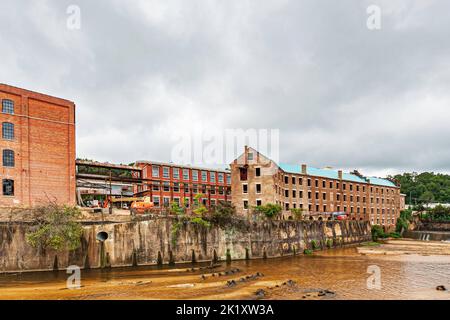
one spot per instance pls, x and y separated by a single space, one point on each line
139 205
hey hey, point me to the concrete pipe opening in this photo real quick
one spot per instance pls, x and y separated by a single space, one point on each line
102 236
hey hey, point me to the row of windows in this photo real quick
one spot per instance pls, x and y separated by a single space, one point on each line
185 173
8 187
8 106
331 185
166 187
186 201
8 130
8 158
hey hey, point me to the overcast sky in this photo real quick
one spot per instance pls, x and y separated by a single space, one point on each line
141 72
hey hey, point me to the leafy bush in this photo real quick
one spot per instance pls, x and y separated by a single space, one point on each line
55 227
329 243
315 244
403 221
269 210
223 212
377 233
297 213
307 251
200 221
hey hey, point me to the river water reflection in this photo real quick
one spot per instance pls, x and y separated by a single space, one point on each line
342 271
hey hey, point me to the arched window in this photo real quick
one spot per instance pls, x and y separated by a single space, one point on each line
8 187
8 130
8 158
8 106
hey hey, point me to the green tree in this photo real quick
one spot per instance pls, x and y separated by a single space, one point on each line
55 227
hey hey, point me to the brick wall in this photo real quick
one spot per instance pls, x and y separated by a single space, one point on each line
44 148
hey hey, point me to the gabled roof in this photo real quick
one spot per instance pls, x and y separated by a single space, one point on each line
333 174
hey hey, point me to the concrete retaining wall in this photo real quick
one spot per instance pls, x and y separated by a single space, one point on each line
152 242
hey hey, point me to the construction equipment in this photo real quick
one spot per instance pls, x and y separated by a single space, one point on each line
141 206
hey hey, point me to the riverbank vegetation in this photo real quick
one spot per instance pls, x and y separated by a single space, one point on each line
56 227
438 214
425 187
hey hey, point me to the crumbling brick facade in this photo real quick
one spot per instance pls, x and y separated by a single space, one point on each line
257 180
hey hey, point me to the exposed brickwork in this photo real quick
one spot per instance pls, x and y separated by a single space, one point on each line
315 195
44 148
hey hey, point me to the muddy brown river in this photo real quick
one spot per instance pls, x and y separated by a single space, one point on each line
345 273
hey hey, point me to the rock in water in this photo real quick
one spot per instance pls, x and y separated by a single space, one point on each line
260 293
441 288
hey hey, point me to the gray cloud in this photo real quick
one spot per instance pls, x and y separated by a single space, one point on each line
340 94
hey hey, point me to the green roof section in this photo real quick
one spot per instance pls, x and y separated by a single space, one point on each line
333 174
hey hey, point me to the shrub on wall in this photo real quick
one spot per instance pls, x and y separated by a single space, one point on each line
269 210
56 227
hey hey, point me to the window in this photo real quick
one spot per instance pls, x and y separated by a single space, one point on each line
258 203
293 180
324 196
212 190
8 106
166 201
300 181
309 194
156 201
212 177
244 188
213 202
245 204
176 173
165 172
286 193
331 184
286 179
8 187
166 186
176 187
185 174
344 186
155 186
155 171
8 158
250 156
317 196
220 175
324 184
8 130
204 176
351 187
316 183
221 192
258 172
194 175
294 194
324 208
186 188
286 206
300 194
258 188
309 182
228 179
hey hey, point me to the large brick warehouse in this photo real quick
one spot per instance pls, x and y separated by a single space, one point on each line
37 147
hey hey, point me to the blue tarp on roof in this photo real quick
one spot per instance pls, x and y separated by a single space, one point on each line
333 174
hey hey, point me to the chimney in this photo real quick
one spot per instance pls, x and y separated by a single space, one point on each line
340 174
303 168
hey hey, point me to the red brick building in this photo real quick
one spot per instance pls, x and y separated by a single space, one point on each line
168 182
37 147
